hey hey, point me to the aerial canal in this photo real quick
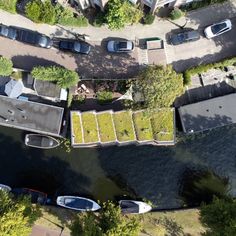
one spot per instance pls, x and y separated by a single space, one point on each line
170 177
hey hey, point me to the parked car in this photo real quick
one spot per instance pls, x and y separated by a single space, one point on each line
184 37
74 46
8 32
218 28
32 37
120 46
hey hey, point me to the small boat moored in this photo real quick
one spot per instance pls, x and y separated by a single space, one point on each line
41 141
77 203
134 207
36 196
4 187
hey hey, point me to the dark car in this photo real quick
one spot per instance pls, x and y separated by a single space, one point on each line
120 46
32 37
35 195
184 37
8 32
74 46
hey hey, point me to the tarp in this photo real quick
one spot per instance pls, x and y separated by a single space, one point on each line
14 88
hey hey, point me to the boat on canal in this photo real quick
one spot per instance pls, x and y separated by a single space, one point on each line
134 207
77 203
4 187
41 141
35 195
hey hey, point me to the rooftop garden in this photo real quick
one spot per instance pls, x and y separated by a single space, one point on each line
163 125
77 130
89 127
124 126
106 129
143 126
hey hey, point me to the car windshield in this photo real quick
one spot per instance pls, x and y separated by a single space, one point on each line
217 28
77 46
121 46
43 41
4 30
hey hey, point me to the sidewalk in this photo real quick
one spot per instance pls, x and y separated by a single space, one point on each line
159 28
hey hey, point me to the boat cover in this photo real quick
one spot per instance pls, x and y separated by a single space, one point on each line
129 207
78 203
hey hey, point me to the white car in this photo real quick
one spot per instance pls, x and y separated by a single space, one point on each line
218 28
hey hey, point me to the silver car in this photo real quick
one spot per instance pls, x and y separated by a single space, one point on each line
120 46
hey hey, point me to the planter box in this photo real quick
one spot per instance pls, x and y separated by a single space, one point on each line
124 126
142 125
163 125
90 127
106 127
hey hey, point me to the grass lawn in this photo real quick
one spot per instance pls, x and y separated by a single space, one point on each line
77 131
163 125
123 126
89 127
187 219
105 126
143 126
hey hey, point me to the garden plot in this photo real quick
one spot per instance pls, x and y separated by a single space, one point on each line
124 126
106 127
90 128
143 126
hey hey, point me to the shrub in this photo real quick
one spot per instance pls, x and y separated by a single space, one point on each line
79 21
148 19
63 77
199 4
33 10
99 20
176 13
48 14
8 5
5 66
104 97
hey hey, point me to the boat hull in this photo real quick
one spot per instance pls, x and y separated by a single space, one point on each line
134 207
4 187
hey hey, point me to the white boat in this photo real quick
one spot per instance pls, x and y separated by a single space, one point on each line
134 207
41 141
4 187
77 203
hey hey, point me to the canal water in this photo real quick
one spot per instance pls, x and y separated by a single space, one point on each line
170 177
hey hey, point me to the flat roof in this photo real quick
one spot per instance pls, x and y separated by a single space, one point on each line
47 88
208 114
31 116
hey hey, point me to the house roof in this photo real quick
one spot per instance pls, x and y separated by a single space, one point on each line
208 114
31 116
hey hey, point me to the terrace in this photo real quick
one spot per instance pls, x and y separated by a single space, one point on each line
143 126
106 127
124 126
90 129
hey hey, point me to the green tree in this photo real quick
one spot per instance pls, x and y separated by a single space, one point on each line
110 222
48 14
121 12
5 66
16 215
33 10
219 217
63 77
159 86
8 5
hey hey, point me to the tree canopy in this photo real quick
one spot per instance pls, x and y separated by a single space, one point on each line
110 222
159 87
219 217
121 12
16 215
63 77
5 66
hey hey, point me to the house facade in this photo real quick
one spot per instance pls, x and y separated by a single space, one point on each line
152 5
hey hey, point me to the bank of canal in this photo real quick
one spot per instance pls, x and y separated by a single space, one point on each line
155 173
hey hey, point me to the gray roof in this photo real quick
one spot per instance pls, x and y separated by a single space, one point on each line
32 116
208 114
47 88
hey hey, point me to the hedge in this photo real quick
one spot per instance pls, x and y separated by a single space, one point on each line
199 4
203 68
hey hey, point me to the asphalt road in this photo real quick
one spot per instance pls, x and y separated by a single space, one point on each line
100 64
202 51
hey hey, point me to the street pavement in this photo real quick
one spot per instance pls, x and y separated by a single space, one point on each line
42 231
101 64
